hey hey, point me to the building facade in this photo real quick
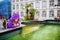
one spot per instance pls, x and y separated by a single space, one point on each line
46 9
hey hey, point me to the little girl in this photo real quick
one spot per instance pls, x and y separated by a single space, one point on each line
13 21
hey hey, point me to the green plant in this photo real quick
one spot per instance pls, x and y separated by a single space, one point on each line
27 6
27 10
25 17
32 11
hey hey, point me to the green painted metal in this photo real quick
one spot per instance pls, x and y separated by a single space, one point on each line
10 34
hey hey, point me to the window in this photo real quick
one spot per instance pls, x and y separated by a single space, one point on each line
37 4
17 0
26 0
37 0
21 0
58 2
51 2
43 13
51 13
32 4
44 4
58 13
22 13
17 6
13 0
21 6
13 7
37 13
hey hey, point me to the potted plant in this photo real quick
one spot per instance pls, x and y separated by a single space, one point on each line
27 10
32 11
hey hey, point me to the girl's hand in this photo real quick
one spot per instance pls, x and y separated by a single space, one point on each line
15 25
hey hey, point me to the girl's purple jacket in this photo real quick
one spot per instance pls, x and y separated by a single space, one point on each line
14 16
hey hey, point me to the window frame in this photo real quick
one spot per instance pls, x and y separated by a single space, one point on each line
13 7
43 4
51 13
51 3
44 13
